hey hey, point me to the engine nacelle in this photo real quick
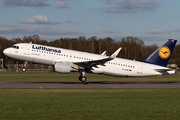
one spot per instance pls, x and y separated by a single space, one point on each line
62 68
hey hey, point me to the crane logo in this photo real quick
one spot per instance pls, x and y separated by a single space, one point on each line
164 52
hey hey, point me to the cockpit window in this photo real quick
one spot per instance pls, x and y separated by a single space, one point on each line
16 47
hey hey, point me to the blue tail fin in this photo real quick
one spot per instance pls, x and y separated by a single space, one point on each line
162 55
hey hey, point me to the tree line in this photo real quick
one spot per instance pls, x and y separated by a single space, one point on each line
132 47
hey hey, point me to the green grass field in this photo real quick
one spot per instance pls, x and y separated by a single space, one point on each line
51 104
87 104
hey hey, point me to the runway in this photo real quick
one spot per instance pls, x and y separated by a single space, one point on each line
90 85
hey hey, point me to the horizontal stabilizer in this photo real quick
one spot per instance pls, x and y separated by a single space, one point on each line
166 71
163 70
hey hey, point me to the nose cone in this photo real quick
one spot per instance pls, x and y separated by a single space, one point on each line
6 51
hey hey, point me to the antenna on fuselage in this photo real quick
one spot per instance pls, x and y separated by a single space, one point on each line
31 42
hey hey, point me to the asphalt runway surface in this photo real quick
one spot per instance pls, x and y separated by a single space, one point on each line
90 85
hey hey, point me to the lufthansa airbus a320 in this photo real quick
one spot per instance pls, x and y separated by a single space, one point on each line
65 61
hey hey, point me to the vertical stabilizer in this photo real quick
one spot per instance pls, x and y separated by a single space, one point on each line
162 55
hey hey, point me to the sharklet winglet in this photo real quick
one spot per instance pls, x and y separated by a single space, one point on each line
116 53
104 53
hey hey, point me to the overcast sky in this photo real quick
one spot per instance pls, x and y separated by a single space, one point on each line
153 21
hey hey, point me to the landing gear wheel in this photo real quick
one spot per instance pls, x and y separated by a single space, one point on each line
82 78
24 70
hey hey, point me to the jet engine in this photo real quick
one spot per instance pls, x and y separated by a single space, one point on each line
62 67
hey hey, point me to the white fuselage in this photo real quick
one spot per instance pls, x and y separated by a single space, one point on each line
50 55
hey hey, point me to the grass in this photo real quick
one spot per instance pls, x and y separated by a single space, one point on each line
87 104
74 77
51 104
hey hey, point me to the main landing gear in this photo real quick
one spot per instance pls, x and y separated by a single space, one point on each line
82 78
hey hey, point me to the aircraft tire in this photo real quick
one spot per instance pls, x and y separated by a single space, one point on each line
82 78
24 70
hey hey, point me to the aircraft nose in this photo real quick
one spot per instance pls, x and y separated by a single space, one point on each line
5 51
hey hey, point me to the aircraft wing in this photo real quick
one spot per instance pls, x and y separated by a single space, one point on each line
90 64
93 63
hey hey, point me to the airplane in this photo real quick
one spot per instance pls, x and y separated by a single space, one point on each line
65 60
